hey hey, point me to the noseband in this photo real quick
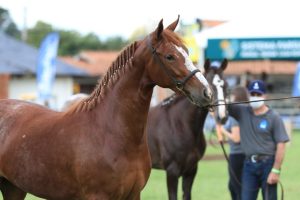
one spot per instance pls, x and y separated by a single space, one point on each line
178 83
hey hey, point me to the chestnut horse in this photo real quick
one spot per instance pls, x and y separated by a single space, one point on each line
175 134
97 149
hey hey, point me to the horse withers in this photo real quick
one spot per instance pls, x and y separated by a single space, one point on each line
175 133
97 148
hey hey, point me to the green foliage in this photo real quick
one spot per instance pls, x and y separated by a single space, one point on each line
69 43
114 43
7 25
91 41
72 42
36 34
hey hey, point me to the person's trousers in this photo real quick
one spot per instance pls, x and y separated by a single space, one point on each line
255 176
236 162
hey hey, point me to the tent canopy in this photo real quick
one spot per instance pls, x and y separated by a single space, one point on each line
247 40
248 28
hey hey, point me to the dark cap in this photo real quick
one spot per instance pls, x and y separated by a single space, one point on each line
257 86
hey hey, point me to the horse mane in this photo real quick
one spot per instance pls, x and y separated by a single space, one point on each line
111 76
173 38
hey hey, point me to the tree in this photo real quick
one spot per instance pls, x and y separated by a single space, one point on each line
7 25
72 42
114 43
36 34
91 41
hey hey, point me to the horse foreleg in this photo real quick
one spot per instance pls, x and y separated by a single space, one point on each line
187 183
172 183
11 192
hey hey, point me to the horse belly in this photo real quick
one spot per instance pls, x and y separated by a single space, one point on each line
42 180
29 165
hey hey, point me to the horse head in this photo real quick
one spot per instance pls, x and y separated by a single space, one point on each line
169 65
214 74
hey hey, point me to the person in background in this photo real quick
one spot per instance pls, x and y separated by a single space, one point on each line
263 138
236 156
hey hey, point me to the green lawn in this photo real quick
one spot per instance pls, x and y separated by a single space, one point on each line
211 180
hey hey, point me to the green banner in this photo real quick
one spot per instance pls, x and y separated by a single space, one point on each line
254 49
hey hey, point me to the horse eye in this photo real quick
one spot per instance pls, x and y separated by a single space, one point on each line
169 57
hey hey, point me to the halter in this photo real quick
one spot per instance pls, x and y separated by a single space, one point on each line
178 83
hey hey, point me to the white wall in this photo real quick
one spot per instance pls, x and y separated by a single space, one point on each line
25 88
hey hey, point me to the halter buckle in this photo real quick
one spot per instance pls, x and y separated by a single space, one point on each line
179 85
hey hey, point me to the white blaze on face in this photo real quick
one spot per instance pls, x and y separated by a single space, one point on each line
219 84
191 67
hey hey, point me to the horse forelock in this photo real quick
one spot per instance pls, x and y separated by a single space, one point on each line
105 83
174 38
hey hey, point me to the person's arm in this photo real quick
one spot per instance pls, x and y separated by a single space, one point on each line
273 177
280 137
219 132
234 135
234 110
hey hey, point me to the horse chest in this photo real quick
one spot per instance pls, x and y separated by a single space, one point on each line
119 173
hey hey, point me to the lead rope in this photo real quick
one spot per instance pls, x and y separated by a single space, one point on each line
244 102
234 175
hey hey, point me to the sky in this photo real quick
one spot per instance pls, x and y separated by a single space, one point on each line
109 18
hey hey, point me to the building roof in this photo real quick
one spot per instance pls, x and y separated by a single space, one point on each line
212 23
259 66
17 57
94 62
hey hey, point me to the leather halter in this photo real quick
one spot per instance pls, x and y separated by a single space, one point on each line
178 83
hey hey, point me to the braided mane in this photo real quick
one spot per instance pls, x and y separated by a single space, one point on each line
105 83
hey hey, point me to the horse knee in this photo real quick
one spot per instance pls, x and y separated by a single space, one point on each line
173 170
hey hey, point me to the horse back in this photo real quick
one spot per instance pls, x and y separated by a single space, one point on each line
15 114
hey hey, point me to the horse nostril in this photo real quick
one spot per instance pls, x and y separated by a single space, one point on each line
207 93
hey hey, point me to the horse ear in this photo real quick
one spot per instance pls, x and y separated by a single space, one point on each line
173 26
159 29
207 64
224 64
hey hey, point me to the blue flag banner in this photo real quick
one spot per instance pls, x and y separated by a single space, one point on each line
46 68
296 84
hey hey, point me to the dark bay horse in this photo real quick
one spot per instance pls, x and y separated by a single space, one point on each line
175 134
97 149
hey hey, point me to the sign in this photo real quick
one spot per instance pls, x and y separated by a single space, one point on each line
194 50
190 41
46 68
254 49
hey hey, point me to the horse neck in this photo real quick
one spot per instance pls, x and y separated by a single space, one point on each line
127 101
194 115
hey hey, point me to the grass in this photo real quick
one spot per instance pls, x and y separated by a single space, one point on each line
211 180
